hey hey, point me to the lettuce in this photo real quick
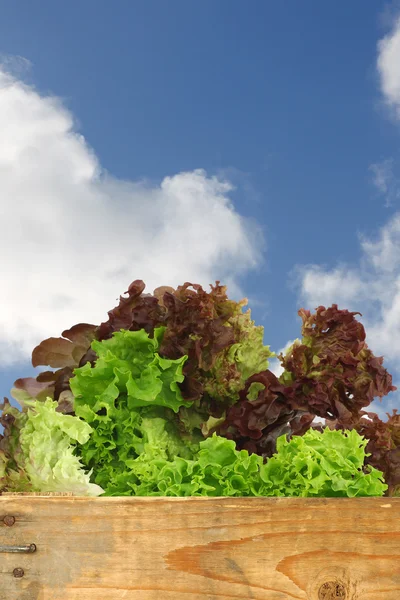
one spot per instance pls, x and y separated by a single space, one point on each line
42 458
130 397
12 473
326 464
235 364
383 446
217 469
329 373
222 345
128 363
169 369
317 464
126 449
142 453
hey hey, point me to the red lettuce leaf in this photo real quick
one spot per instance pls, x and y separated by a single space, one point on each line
383 445
65 351
137 311
255 424
196 325
332 373
329 373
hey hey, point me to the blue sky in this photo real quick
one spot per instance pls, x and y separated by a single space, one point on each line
285 100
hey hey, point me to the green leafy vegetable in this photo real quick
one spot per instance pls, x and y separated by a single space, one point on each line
128 363
12 474
172 395
115 395
217 469
126 447
41 457
317 464
234 365
322 464
329 373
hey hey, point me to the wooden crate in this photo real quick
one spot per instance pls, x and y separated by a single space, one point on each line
200 548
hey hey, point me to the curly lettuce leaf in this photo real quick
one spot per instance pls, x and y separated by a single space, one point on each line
40 455
331 372
123 436
128 363
48 441
129 394
383 446
261 415
217 469
235 364
157 463
325 464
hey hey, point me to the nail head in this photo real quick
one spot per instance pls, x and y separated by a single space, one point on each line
18 572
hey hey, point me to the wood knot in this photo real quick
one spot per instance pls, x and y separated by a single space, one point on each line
332 590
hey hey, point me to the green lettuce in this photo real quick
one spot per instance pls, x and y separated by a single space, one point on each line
216 469
41 456
124 439
235 364
130 397
326 464
149 458
128 364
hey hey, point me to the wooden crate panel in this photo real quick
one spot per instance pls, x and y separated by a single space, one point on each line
200 548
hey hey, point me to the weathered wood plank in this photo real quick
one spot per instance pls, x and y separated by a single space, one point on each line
201 549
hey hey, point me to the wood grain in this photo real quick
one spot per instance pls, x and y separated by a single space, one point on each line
201 549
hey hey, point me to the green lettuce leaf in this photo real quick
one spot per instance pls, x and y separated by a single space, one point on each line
124 436
215 469
130 397
160 464
48 441
326 464
40 455
128 364
235 364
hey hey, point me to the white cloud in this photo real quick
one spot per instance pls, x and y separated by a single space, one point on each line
275 365
372 286
341 283
388 68
73 237
385 179
382 174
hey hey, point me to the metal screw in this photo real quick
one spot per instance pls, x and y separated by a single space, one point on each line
19 549
9 520
18 572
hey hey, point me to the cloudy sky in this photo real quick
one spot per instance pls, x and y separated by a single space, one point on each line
252 142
